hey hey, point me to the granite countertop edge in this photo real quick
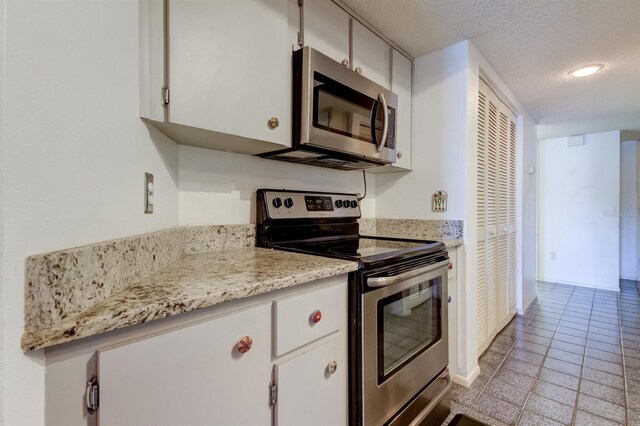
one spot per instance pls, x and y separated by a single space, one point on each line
190 283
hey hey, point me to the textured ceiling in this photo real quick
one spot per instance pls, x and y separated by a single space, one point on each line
532 44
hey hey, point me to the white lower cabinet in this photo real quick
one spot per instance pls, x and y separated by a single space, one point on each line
190 369
312 387
191 376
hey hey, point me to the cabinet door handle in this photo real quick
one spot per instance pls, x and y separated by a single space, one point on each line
332 367
274 123
359 70
244 345
316 316
345 62
450 265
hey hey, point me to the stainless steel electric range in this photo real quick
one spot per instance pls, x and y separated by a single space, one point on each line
398 353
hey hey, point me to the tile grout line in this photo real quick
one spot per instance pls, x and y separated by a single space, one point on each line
537 378
584 359
624 367
504 359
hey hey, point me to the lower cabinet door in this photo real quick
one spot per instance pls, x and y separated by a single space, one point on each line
312 388
192 376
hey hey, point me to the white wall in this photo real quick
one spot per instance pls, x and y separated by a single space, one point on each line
579 198
219 187
74 156
439 141
629 210
605 123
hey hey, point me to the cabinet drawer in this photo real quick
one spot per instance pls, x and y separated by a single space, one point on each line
453 257
294 323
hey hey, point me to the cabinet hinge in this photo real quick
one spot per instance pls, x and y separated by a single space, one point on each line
273 394
92 395
164 96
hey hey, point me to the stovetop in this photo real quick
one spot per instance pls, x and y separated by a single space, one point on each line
365 249
326 224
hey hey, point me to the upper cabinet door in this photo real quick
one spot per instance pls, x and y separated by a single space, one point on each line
326 28
401 86
230 67
371 55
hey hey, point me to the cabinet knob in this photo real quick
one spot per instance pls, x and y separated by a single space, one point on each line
359 70
316 316
450 265
449 299
399 155
274 122
345 62
244 345
332 367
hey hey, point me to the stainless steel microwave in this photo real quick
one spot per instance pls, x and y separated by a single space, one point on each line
341 119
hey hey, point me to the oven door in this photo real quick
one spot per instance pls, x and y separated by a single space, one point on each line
405 344
344 111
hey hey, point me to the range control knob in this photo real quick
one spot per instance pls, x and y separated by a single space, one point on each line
288 203
277 202
338 203
345 203
354 204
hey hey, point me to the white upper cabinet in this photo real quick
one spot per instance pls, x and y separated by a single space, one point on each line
371 55
326 28
230 67
401 85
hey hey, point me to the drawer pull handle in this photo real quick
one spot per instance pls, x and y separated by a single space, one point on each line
450 265
332 367
316 316
244 345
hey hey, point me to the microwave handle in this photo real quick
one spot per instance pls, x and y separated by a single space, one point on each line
385 125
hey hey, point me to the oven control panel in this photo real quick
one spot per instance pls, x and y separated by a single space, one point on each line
310 205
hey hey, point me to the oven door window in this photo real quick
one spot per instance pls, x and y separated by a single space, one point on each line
409 322
344 111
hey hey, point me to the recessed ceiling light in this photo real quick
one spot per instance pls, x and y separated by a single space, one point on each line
585 71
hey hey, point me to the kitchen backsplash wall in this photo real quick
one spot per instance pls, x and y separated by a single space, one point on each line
217 187
413 228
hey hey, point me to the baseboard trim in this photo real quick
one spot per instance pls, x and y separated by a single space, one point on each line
629 278
585 285
522 312
466 381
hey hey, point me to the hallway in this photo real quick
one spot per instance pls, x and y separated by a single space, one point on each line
537 371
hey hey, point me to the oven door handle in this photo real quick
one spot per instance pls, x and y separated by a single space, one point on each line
386 281
435 401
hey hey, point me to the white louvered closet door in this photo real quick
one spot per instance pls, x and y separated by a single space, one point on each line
495 215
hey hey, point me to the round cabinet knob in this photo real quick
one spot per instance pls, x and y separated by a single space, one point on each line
288 203
244 345
450 265
274 123
277 202
399 155
354 204
338 203
316 316
359 70
345 62
332 367
449 299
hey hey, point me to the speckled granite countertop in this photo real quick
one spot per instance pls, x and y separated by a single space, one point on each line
192 282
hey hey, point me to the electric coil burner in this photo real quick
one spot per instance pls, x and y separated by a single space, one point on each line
398 343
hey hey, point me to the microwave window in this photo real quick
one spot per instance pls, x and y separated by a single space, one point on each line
339 109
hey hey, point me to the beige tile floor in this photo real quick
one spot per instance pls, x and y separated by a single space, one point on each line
572 359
